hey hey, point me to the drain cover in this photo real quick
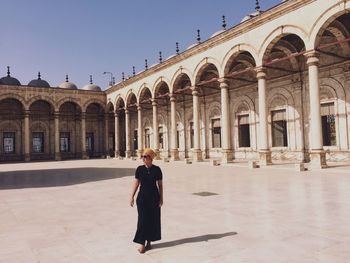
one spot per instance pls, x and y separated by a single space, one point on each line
205 194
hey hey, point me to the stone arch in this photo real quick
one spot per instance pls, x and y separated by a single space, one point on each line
243 102
43 98
205 61
276 35
119 99
143 87
109 105
25 105
325 19
214 110
335 86
177 74
157 83
96 101
236 50
129 94
68 99
280 93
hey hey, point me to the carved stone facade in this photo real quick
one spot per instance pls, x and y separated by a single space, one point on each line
274 87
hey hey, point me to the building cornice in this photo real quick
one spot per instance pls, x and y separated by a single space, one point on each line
255 22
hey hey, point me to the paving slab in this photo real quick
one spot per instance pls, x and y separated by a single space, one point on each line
78 211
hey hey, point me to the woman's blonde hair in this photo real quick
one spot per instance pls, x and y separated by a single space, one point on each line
150 152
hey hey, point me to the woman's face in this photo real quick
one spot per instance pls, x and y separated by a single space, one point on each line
147 160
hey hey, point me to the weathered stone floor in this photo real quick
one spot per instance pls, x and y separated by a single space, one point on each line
63 212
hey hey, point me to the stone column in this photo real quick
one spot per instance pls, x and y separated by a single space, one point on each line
83 136
197 153
57 136
139 132
107 135
116 135
227 153
127 133
155 129
264 150
317 154
173 150
26 137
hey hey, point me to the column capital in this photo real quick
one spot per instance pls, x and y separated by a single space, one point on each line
224 83
56 114
139 108
172 97
195 91
83 114
261 72
26 113
313 57
116 114
154 102
126 111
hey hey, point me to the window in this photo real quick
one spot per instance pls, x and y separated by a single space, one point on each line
279 128
135 140
243 131
147 138
216 133
191 134
38 142
89 142
9 142
161 137
328 124
65 142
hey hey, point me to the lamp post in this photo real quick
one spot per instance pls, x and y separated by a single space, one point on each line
112 78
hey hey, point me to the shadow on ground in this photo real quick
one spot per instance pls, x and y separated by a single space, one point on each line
192 240
59 177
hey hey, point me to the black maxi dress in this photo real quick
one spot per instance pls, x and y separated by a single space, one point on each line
148 224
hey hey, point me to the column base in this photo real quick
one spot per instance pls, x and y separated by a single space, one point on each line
317 159
27 157
157 157
174 153
116 154
139 153
265 158
227 156
84 156
128 154
57 157
197 155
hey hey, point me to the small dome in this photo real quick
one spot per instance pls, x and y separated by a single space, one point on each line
193 45
217 33
8 80
91 86
39 82
67 84
247 17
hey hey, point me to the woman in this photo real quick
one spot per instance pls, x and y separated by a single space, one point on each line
149 201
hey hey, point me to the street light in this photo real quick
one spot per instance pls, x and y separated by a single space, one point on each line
112 78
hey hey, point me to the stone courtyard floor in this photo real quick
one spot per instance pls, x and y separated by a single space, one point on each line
78 211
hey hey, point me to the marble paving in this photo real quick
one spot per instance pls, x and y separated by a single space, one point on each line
78 211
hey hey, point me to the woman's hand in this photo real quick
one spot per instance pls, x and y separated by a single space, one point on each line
132 202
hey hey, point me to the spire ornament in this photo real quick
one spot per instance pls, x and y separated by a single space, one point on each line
198 36
223 22
257 6
177 48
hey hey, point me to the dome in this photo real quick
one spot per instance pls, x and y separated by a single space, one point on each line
91 86
39 82
217 33
247 17
67 84
8 80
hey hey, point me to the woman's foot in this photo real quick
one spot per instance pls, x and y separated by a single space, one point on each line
141 249
148 245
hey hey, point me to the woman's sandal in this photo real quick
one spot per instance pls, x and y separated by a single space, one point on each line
141 250
148 246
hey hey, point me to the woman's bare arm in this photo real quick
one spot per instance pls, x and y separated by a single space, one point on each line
133 191
160 187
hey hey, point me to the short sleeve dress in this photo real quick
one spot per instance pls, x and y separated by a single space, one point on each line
148 224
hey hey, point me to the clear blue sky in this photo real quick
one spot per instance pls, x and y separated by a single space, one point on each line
83 37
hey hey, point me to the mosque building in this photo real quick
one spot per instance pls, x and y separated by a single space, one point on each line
275 87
